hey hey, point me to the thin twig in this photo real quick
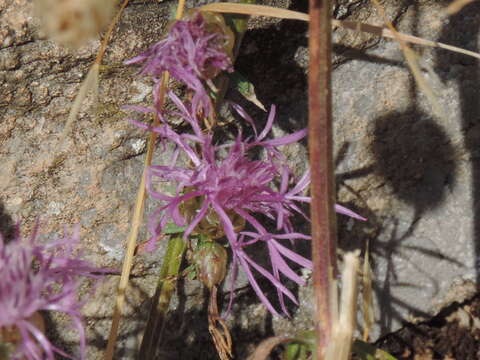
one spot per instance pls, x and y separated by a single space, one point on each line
137 219
321 163
109 32
91 80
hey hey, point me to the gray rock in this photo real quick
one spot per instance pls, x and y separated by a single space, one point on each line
412 173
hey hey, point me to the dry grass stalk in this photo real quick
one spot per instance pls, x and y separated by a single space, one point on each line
137 218
261 10
90 84
387 33
344 326
367 295
412 61
456 6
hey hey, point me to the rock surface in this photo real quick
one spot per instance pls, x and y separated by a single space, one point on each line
412 173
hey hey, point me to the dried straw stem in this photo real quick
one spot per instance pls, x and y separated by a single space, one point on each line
137 219
344 327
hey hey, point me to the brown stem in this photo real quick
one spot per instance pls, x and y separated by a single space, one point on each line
218 329
106 38
322 184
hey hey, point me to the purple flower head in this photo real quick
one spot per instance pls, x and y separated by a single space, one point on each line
37 277
193 52
224 185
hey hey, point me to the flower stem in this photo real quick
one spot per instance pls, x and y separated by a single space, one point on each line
322 184
161 300
136 219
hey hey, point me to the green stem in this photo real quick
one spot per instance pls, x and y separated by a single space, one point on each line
161 300
238 24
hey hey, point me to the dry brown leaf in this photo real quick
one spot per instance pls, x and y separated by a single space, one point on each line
456 6
255 10
266 346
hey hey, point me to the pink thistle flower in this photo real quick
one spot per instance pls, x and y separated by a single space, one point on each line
37 277
191 53
224 180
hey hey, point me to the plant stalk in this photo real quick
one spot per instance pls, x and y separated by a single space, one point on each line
136 219
321 163
161 300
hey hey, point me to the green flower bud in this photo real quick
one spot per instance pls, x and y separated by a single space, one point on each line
210 260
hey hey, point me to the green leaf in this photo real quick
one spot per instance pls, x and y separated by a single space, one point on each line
239 21
301 347
172 228
369 352
291 351
297 351
307 337
190 272
245 88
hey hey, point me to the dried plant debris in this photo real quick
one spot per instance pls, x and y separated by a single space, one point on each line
453 334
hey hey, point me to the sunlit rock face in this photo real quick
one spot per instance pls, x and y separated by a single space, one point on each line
411 172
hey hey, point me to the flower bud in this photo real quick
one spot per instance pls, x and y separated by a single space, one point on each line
210 259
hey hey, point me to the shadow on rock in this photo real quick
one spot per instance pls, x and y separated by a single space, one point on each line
7 226
274 60
462 30
415 157
187 335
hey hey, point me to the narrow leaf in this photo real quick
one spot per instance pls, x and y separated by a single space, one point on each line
245 88
255 10
368 352
172 228
89 84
